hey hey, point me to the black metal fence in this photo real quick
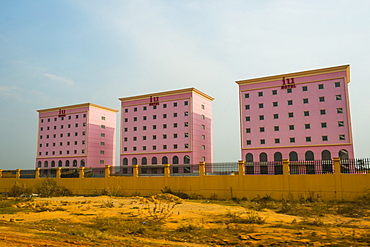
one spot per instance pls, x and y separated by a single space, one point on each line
311 167
264 168
184 170
117 171
355 166
224 168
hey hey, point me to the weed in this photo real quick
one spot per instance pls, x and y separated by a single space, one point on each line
159 207
189 228
354 210
49 188
19 189
112 191
182 195
250 218
108 204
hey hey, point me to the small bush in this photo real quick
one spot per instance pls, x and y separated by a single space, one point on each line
250 218
19 189
182 195
49 188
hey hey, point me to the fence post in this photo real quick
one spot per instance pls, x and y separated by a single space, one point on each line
202 169
135 170
241 168
37 173
58 173
337 179
18 173
1 173
166 168
107 171
286 176
82 172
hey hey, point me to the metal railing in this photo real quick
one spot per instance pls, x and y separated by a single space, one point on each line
222 168
311 167
264 168
184 170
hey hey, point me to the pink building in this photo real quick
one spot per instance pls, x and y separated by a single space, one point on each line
297 116
171 127
76 136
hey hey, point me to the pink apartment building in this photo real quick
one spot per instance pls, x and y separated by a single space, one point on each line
76 136
171 127
297 116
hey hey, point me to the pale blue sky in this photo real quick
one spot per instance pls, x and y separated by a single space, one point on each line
55 53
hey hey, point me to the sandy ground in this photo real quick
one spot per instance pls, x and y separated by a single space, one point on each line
78 209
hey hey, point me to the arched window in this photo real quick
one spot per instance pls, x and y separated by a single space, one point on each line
125 162
39 164
154 161
263 157
74 163
309 155
60 163
293 156
52 163
278 156
249 157
164 160
67 163
144 161
82 163
186 159
326 162
175 160
134 161
46 164
343 154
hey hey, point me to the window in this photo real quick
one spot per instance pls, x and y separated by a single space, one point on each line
76 133
292 139
154 147
262 141
248 119
248 130
126 110
174 136
203 126
260 105
135 128
262 117
154 137
262 129
135 119
276 116
164 115
154 127
338 97
154 116
144 127
144 118
304 88
274 92
134 138
260 94
322 99
291 127
144 138
186 102
202 106
305 101
290 114
102 143
135 109
83 142
308 138
48 119
102 135
203 137
175 125
133 148
76 116
125 139
186 134
203 117
101 151
125 149
69 117
307 126
289 90
154 107
186 124
144 108
324 138
339 110
175 104
322 112
203 147
175 114
164 126
103 126
290 102
164 136
249 142
83 124
324 125
274 104
337 84
164 105
277 140
320 86
174 146
246 95
75 151
306 113
126 120
55 127
68 143
186 145
144 148
247 107
69 126
342 137
340 123
164 146
276 128
102 118
101 162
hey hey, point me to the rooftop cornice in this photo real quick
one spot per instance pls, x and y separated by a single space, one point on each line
75 107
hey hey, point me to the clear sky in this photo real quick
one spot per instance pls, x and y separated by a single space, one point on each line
56 53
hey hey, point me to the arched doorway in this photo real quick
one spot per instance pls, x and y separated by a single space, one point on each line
249 165
263 163
310 166
175 162
278 166
326 162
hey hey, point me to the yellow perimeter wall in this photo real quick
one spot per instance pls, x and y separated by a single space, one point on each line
327 186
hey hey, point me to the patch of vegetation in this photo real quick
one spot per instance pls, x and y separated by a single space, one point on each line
182 195
49 188
20 189
249 218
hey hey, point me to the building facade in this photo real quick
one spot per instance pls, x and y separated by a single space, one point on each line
296 116
173 127
76 136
